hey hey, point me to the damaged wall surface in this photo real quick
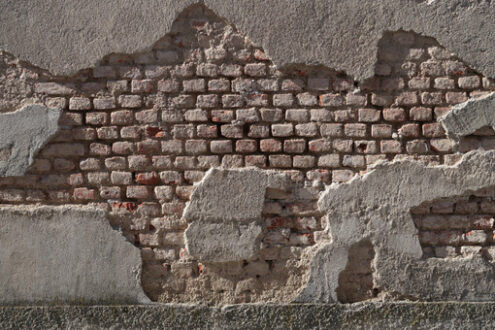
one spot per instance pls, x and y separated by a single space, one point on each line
247 158
339 34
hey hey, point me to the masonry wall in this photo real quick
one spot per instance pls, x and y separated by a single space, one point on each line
138 130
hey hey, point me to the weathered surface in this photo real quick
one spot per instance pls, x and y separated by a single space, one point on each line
356 212
65 254
339 34
450 315
465 118
22 134
225 213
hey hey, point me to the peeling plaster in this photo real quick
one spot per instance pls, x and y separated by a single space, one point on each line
65 254
225 213
22 134
466 118
357 212
65 36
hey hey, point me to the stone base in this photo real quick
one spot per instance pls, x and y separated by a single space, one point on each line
407 315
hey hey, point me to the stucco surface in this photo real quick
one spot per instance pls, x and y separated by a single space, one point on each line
22 134
65 36
66 254
356 212
467 117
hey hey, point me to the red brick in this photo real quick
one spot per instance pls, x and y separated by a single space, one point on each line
147 178
270 145
84 194
246 146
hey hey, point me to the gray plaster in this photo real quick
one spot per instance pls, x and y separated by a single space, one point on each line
466 118
65 254
355 211
410 315
22 134
64 36
225 213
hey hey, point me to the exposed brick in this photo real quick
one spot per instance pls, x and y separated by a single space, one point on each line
221 147
270 145
79 103
394 114
246 146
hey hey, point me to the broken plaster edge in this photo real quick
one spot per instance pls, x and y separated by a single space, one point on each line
466 118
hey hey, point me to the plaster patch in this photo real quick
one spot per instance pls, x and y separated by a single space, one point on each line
356 212
65 254
23 133
225 213
466 118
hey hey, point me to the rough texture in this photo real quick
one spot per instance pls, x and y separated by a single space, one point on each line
225 211
342 35
139 129
415 315
22 134
65 254
356 212
468 117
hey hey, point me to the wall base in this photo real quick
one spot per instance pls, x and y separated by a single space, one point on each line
410 315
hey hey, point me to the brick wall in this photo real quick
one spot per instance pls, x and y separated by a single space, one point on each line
138 131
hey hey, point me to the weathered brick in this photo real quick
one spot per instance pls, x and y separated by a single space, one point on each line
294 146
221 147
137 192
255 69
282 130
369 115
84 194
122 117
280 161
306 99
270 145
390 146
246 146
303 161
168 86
79 103
420 114
259 131
207 101
331 161
219 85
123 148
307 129
130 101
250 115
320 145
355 130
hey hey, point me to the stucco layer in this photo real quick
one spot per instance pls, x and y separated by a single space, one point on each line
64 36
65 254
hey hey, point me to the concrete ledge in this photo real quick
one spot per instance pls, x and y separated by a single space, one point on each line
401 315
